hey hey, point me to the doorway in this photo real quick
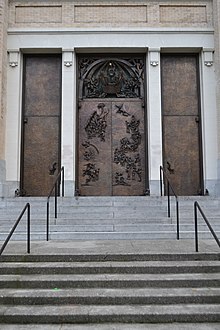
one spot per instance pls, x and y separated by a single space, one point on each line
40 156
181 120
111 126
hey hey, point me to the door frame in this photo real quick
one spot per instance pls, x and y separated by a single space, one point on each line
21 192
79 98
200 139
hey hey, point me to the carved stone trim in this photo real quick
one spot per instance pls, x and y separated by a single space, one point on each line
13 58
154 55
67 58
208 58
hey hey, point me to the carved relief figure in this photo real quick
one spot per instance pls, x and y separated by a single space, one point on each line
123 157
97 123
91 172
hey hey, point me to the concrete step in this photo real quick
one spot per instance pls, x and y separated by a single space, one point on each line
110 280
109 287
111 267
111 313
106 296
98 218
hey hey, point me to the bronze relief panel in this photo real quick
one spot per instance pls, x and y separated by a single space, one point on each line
111 148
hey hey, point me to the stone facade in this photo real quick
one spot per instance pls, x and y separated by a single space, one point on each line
110 13
119 26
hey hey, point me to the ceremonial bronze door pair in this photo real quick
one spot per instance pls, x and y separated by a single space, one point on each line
111 127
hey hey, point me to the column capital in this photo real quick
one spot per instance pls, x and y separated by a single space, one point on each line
68 56
13 57
208 56
154 55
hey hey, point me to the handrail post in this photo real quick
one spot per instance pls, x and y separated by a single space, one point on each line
28 229
168 195
55 204
161 187
177 219
196 226
48 212
63 181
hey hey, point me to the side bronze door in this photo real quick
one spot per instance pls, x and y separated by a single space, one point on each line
182 123
41 124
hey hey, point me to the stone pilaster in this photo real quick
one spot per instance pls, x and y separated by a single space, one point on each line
3 83
216 13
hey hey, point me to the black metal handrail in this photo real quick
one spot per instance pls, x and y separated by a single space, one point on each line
197 206
27 207
60 177
169 186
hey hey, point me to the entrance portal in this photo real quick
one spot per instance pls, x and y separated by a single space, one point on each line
111 121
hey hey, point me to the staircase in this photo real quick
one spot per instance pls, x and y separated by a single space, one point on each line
101 218
110 288
109 262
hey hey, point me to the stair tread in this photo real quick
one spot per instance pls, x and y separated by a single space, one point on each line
105 264
89 310
112 292
110 277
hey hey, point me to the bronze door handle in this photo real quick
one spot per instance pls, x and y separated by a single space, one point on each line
169 167
52 168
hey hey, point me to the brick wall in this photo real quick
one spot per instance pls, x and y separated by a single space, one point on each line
110 13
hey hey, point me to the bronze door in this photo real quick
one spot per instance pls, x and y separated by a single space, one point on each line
41 124
111 153
181 123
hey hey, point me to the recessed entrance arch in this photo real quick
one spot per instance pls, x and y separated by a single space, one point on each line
111 126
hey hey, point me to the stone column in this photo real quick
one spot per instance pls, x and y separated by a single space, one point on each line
3 82
216 16
13 124
154 119
209 127
68 120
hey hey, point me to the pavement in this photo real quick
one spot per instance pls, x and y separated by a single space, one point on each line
115 326
111 247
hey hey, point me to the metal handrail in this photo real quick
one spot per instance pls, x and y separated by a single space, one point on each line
197 206
27 207
55 186
169 186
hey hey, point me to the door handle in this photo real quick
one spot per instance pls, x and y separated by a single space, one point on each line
169 167
52 168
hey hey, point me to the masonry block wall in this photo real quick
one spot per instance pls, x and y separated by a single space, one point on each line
132 13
